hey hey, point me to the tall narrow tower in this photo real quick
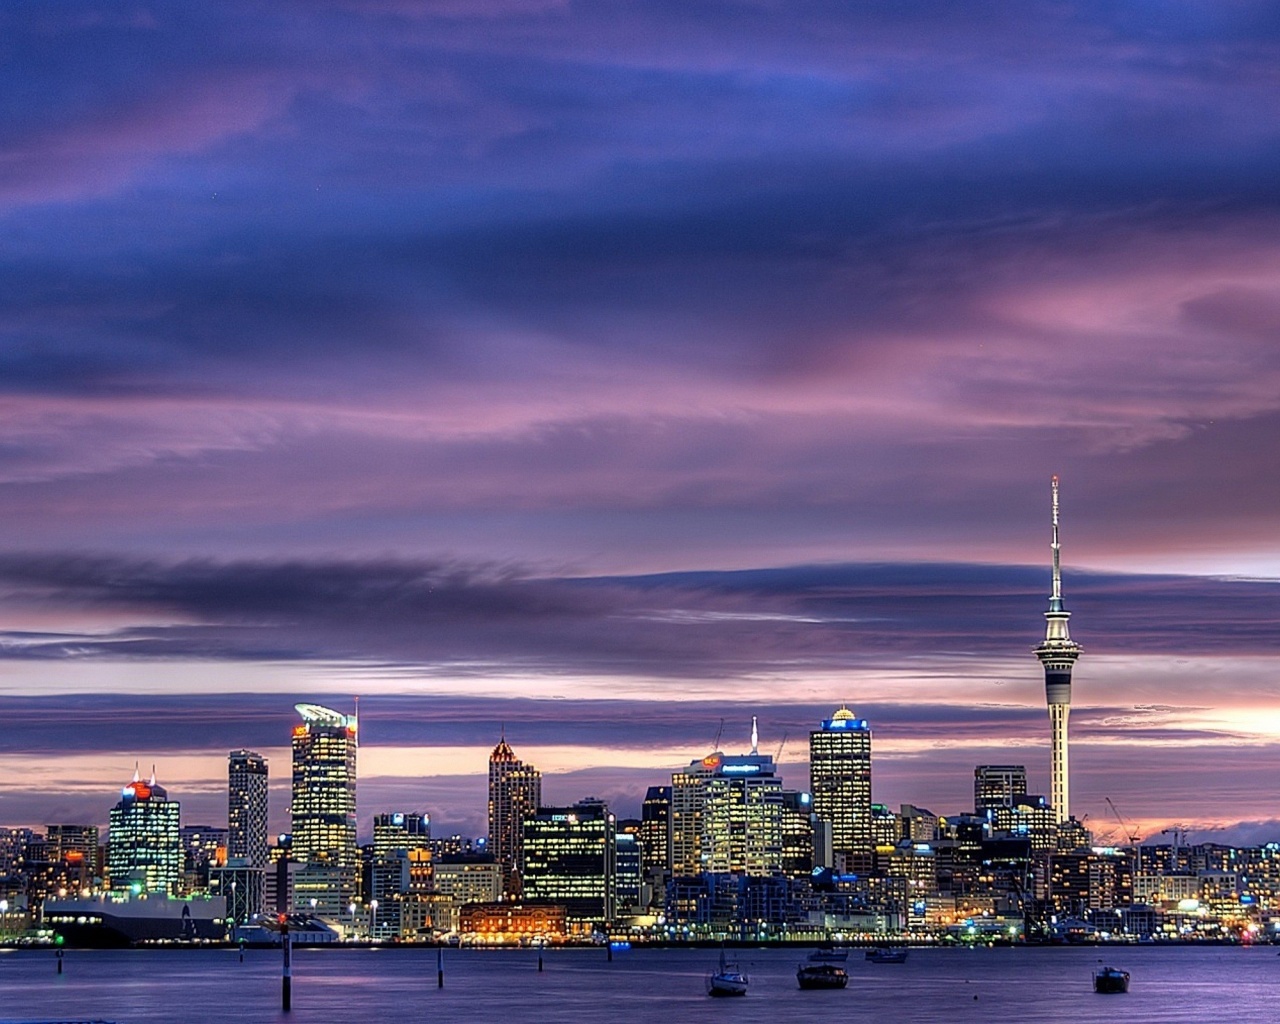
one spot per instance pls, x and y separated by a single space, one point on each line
1057 654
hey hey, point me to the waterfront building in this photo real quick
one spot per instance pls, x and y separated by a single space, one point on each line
513 922
247 807
465 878
1058 653
515 792
840 783
570 858
401 830
998 785
144 848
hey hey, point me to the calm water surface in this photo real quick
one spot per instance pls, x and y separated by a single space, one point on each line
1193 984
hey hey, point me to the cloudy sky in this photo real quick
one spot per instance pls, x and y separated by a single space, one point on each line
606 370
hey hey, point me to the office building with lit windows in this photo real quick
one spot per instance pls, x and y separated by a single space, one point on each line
727 815
144 847
570 859
998 785
324 788
840 783
323 810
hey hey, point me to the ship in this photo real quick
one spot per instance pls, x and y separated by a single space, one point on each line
104 923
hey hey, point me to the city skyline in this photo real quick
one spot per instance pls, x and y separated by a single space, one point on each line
613 372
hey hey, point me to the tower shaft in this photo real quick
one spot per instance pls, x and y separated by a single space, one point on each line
1058 653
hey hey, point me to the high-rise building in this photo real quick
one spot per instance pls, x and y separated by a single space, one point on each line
515 793
570 858
797 834
401 830
687 800
655 830
247 807
727 815
324 788
998 785
840 782
144 849
742 817
629 889
1058 653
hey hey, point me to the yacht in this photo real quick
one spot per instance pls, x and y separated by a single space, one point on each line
727 979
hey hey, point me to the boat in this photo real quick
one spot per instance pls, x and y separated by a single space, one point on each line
888 955
727 979
112 923
1110 980
829 955
820 975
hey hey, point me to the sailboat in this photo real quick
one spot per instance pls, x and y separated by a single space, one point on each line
727 979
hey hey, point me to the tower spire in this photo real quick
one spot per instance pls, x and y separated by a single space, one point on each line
1056 598
755 736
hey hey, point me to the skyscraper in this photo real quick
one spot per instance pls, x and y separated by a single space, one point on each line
144 849
1058 653
247 807
515 793
998 785
570 858
840 782
727 815
324 788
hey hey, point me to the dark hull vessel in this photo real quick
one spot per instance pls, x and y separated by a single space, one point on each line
1110 981
810 976
102 924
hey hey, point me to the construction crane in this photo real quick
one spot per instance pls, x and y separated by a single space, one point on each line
777 758
1128 827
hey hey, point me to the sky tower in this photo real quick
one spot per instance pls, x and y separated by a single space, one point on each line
1057 654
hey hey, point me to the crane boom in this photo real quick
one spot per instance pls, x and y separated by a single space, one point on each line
1129 828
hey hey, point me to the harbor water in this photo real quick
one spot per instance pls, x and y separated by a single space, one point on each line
1038 984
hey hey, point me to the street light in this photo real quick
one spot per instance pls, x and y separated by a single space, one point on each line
373 918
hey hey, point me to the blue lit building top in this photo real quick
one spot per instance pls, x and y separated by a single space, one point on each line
844 721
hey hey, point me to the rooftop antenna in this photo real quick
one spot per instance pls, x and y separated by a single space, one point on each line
755 736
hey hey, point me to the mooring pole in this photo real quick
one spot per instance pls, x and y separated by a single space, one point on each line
59 955
439 967
286 978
